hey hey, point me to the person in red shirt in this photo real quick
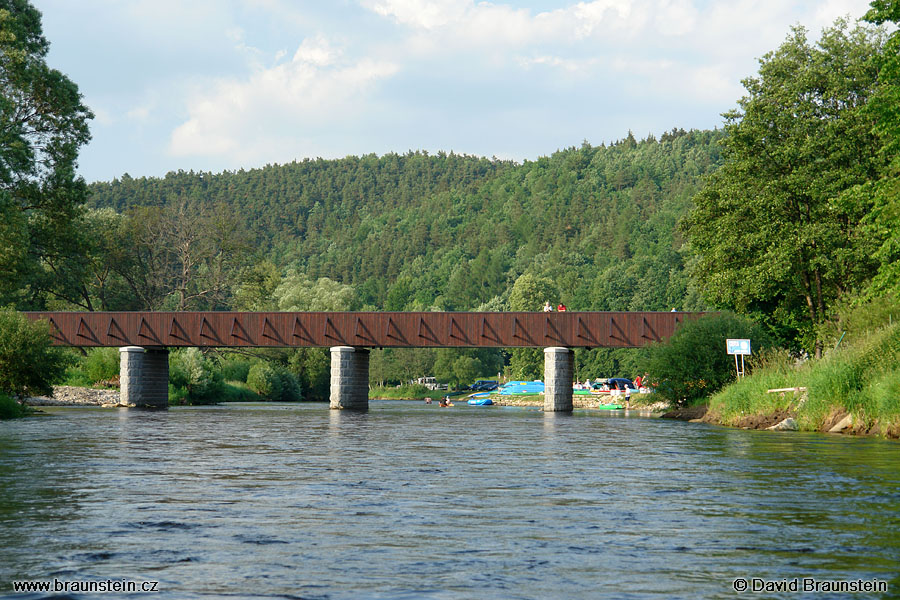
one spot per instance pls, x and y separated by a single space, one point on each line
561 307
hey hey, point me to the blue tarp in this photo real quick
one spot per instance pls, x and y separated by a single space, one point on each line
522 387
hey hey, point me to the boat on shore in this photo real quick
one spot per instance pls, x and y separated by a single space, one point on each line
483 399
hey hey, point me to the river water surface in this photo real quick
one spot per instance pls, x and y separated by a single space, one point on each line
415 501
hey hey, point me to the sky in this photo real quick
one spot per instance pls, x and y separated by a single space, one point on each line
214 85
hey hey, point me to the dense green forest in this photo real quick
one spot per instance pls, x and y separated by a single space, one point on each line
450 232
789 214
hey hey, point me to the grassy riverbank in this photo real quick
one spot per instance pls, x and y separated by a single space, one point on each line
861 380
407 392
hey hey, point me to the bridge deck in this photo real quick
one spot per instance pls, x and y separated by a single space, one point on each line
366 329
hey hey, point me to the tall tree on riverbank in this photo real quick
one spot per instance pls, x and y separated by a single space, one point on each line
775 232
884 108
43 123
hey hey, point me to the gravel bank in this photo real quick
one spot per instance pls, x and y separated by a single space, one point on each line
64 395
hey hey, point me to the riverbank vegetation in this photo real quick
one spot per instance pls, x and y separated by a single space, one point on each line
29 364
11 409
824 260
861 379
407 392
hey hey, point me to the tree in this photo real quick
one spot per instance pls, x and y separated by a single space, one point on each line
884 108
529 293
258 286
42 125
296 292
773 228
29 364
465 365
182 257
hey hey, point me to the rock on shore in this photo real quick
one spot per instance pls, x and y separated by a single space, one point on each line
65 395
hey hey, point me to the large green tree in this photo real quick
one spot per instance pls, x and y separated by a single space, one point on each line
884 109
774 229
43 123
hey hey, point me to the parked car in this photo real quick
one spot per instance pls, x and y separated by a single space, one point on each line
430 383
484 385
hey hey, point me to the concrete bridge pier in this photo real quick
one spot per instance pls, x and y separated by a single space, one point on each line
349 378
558 370
144 377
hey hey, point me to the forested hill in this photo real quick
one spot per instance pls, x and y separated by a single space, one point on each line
451 232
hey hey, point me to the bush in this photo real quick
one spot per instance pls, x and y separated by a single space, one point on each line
235 391
855 318
274 382
291 390
10 409
191 371
29 364
312 367
101 364
693 364
234 369
265 381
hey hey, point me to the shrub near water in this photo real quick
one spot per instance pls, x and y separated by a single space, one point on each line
235 369
273 382
693 364
101 364
29 364
10 409
192 377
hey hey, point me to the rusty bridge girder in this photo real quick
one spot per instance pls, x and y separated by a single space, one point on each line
362 329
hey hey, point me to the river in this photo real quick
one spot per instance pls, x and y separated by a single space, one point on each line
410 500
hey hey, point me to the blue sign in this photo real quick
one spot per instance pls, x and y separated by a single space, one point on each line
737 346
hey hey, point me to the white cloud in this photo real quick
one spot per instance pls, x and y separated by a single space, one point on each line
426 14
316 51
268 115
676 17
218 84
139 113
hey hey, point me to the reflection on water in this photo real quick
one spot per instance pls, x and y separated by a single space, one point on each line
411 501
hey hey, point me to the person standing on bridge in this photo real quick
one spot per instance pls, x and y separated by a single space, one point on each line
561 307
547 307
